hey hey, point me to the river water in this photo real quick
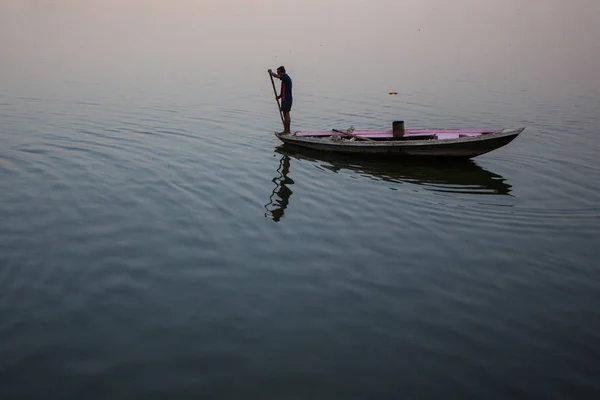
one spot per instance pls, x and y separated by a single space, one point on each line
157 240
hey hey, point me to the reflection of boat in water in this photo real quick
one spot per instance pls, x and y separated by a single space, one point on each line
450 177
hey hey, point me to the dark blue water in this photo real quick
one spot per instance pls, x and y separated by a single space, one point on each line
157 240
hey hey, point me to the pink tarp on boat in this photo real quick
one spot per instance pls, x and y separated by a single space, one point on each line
441 133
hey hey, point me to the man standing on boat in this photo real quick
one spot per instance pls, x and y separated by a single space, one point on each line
285 96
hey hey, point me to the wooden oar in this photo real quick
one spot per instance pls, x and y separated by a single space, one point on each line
278 105
353 135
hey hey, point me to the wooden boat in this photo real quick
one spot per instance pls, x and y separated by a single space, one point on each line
437 143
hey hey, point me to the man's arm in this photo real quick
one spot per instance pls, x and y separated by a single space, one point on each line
276 76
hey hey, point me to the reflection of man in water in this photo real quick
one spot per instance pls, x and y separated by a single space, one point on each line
281 190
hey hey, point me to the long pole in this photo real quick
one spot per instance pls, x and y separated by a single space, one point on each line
275 91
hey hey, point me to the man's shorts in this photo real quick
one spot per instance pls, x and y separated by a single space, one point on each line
286 106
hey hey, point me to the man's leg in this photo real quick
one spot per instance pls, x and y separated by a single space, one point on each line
287 121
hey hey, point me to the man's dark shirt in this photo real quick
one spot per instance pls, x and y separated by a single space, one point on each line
286 89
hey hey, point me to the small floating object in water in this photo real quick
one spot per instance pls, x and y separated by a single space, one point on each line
393 92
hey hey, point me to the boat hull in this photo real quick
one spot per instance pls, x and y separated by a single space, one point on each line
461 147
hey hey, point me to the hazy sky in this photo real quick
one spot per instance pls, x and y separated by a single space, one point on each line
413 39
